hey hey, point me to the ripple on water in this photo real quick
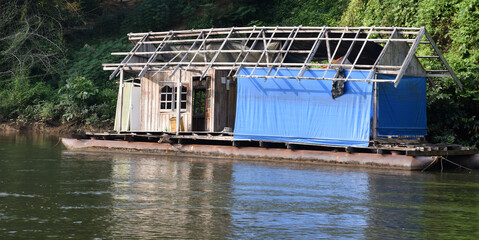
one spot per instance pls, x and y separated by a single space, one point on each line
4 194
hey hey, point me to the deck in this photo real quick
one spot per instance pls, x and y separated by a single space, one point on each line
405 147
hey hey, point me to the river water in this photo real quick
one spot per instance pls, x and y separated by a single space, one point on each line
49 192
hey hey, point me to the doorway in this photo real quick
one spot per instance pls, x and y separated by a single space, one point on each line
199 109
200 103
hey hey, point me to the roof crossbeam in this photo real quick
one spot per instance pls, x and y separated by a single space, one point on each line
311 53
265 50
241 52
186 54
153 56
287 50
381 55
188 33
280 39
287 45
128 57
439 54
359 54
217 53
334 54
409 56
316 78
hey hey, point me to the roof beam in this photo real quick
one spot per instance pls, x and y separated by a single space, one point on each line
286 45
381 55
350 49
143 58
359 53
312 52
439 54
128 57
287 50
217 53
334 54
409 56
201 45
153 56
265 49
241 52
186 54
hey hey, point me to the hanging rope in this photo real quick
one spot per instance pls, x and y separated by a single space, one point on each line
430 164
441 158
447 160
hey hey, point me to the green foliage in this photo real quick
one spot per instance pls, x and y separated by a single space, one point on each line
87 61
316 12
82 101
270 12
30 43
22 99
51 51
452 114
149 15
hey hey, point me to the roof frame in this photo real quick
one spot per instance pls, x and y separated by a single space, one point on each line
294 42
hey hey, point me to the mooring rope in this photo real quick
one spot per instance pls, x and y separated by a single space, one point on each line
443 158
437 158
59 140
430 164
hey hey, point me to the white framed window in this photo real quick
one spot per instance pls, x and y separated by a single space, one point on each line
168 98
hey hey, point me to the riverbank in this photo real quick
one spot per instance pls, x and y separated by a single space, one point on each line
67 129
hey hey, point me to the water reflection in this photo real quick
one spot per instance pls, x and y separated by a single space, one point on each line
47 192
176 198
283 202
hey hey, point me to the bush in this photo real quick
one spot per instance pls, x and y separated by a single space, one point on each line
454 25
20 98
76 97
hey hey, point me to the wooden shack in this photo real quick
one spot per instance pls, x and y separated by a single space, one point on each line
193 75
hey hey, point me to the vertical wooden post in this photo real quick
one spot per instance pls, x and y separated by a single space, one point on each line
375 113
178 104
328 47
120 95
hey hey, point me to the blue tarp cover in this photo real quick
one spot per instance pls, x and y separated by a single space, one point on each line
303 112
402 110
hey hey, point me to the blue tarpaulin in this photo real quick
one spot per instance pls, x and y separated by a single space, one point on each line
303 112
402 110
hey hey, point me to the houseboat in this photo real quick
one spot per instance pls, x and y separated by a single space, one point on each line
341 95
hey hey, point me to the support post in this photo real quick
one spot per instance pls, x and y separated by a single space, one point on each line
120 95
328 50
375 113
178 104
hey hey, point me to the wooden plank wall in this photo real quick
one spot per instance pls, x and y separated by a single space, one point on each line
221 103
395 55
152 117
225 101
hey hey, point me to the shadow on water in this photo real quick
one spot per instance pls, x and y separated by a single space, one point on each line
47 191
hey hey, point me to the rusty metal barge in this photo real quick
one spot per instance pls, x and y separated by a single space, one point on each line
397 155
314 94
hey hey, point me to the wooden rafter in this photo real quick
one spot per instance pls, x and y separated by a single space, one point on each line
237 45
